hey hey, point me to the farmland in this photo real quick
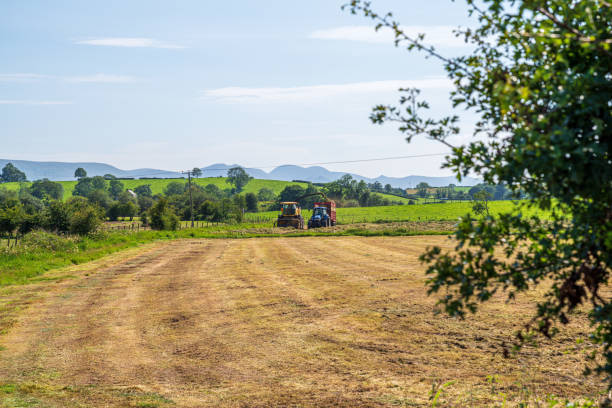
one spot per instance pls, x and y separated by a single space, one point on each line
158 185
417 212
311 321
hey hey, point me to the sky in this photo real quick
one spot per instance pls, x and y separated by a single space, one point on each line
175 85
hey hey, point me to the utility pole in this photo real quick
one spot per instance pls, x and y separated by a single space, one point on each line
188 172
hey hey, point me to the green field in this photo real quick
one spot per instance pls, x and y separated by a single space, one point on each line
417 212
158 185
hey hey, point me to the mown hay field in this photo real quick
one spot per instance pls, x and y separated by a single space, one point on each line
272 322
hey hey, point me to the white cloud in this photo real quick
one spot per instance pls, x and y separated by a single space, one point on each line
21 77
439 35
102 78
134 42
28 102
300 93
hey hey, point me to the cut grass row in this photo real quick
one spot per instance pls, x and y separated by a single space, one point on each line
40 252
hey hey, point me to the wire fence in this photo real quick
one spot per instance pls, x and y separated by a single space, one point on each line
137 226
10 240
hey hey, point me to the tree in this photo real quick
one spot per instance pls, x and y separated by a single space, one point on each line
238 177
144 203
115 188
213 191
80 173
129 209
144 190
265 194
10 219
47 189
162 216
538 78
196 172
84 217
251 202
422 189
83 187
174 188
388 188
100 198
98 183
481 202
10 173
291 193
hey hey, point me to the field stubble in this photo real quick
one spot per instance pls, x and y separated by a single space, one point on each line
326 321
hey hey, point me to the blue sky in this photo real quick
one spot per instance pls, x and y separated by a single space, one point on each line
188 83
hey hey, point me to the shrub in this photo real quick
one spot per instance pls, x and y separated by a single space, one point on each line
40 239
57 217
162 216
85 218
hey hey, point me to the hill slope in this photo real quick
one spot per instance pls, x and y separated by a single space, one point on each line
59 171
158 185
63 171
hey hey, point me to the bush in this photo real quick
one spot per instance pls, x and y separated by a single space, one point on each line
40 239
57 217
10 219
85 218
162 216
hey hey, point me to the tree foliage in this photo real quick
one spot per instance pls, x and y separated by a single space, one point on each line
10 173
79 173
46 188
197 172
539 79
238 177
162 216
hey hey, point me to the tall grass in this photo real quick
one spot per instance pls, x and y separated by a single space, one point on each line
417 212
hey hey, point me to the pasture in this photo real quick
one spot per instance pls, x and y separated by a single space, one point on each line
417 212
270 322
158 185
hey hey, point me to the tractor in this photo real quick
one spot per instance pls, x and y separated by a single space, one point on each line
290 215
324 214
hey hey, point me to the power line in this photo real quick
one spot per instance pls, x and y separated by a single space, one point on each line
377 159
338 162
165 172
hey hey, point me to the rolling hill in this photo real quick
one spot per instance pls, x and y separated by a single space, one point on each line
64 171
158 185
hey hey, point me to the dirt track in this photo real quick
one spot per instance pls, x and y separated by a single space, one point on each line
268 322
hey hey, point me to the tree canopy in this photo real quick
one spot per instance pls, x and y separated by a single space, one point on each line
539 80
238 177
10 173
197 172
79 173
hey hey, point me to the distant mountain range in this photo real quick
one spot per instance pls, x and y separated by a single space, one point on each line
57 171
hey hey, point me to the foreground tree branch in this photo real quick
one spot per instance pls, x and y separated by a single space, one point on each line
539 79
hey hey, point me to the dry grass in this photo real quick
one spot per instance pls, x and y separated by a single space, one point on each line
314 321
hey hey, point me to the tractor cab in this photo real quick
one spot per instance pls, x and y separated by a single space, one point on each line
320 212
290 215
290 208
